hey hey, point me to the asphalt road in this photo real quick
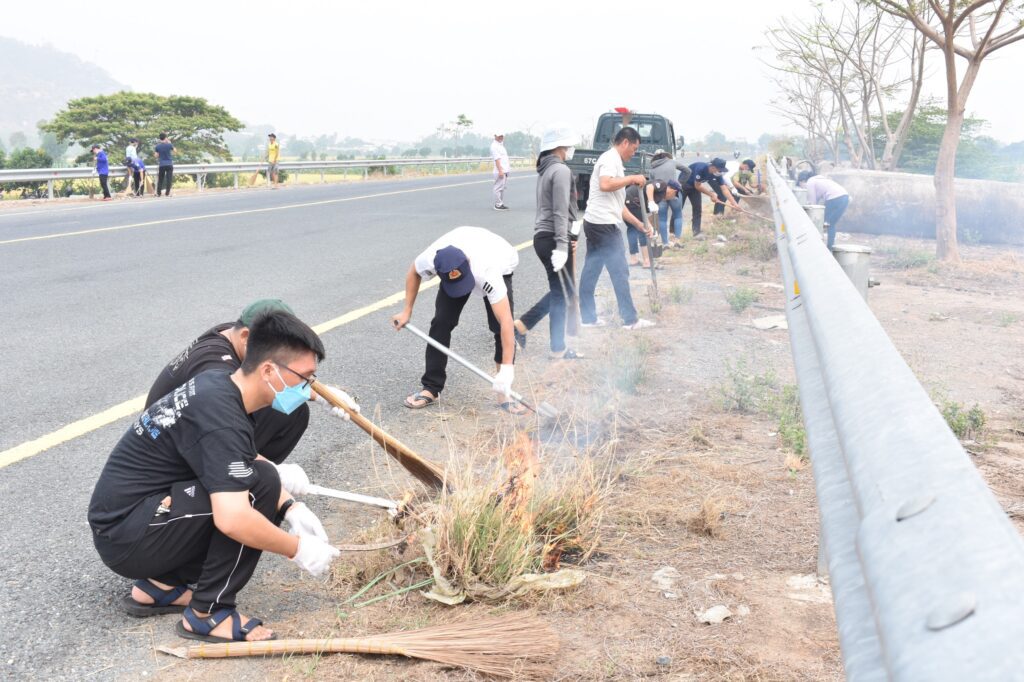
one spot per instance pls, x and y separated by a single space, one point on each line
91 312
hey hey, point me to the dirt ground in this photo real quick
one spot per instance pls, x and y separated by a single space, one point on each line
716 501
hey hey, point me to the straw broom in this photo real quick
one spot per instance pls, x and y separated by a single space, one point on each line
507 646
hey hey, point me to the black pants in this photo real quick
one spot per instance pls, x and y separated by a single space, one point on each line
605 250
165 175
137 183
104 186
447 311
277 433
716 185
185 548
560 285
694 195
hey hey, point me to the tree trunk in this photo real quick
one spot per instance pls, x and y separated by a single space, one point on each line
945 194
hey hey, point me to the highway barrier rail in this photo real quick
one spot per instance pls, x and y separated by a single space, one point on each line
926 570
201 170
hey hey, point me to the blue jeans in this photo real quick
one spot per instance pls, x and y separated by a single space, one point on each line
834 209
636 239
605 250
676 206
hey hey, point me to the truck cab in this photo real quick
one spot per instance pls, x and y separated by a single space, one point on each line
656 132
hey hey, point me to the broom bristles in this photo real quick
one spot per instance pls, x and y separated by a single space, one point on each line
505 646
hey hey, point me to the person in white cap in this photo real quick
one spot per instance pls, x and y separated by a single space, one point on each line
553 240
502 166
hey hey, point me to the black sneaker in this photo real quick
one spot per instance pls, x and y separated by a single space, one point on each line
500 207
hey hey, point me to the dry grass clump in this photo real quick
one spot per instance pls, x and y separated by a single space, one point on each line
708 521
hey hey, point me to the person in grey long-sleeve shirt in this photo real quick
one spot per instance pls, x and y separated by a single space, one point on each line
553 240
665 168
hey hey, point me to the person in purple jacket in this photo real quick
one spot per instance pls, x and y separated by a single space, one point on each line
828 193
102 169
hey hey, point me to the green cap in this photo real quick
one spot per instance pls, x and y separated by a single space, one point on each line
262 306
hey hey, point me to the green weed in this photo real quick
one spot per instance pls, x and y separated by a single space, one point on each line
966 424
741 298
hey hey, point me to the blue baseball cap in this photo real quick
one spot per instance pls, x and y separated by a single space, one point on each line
452 266
673 184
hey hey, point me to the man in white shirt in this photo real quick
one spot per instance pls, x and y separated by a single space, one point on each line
469 261
828 193
606 207
501 168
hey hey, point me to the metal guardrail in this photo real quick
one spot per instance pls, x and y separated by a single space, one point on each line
927 571
201 170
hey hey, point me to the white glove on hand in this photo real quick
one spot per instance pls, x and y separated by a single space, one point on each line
559 259
304 522
502 382
343 397
652 207
314 554
293 478
575 228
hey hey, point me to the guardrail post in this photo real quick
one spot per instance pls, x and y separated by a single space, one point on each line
49 188
200 178
366 171
321 177
236 180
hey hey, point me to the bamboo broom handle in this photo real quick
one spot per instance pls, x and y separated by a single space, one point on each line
277 647
391 445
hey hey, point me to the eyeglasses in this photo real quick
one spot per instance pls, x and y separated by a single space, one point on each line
307 380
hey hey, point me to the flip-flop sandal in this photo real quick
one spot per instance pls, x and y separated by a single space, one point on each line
418 395
163 600
513 408
202 627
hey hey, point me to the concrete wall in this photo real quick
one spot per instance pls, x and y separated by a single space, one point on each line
904 204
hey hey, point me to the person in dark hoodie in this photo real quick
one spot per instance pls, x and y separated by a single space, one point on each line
553 240
665 169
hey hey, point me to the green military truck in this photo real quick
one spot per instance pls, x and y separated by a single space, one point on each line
656 132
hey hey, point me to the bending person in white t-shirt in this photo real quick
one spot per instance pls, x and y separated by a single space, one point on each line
822 191
502 166
606 208
469 260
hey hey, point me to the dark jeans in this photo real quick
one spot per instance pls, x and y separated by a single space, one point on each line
104 186
185 548
834 209
447 311
166 175
137 183
694 195
560 285
605 250
276 433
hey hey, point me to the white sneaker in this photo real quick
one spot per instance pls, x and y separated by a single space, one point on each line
596 323
639 324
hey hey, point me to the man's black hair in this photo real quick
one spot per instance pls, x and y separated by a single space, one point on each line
661 155
627 133
162 136
279 336
805 176
134 139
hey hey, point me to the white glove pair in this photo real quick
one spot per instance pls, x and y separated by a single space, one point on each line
502 381
337 411
559 259
314 553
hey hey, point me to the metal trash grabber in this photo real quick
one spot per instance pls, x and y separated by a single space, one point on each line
543 409
381 502
650 244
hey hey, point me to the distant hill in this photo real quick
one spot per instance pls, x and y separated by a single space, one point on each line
36 82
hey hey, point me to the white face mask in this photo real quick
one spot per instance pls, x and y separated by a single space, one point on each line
569 152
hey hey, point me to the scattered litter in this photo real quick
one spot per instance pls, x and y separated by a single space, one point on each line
742 610
738 576
715 615
813 590
665 578
937 317
664 660
717 576
722 238
770 322
770 285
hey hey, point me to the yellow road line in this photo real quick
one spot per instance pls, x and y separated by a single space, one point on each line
135 405
248 211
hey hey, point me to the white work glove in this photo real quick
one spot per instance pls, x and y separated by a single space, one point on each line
343 397
304 522
293 478
652 206
314 555
502 381
576 228
559 259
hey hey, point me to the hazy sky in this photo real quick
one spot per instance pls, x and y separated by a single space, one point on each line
395 70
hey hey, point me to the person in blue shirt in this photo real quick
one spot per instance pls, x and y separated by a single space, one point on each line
700 182
102 169
138 170
164 177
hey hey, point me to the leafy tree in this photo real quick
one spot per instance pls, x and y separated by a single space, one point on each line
196 127
18 140
424 152
53 147
28 158
519 143
3 158
462 126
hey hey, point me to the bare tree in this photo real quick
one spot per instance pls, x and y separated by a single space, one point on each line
862 59
970 30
